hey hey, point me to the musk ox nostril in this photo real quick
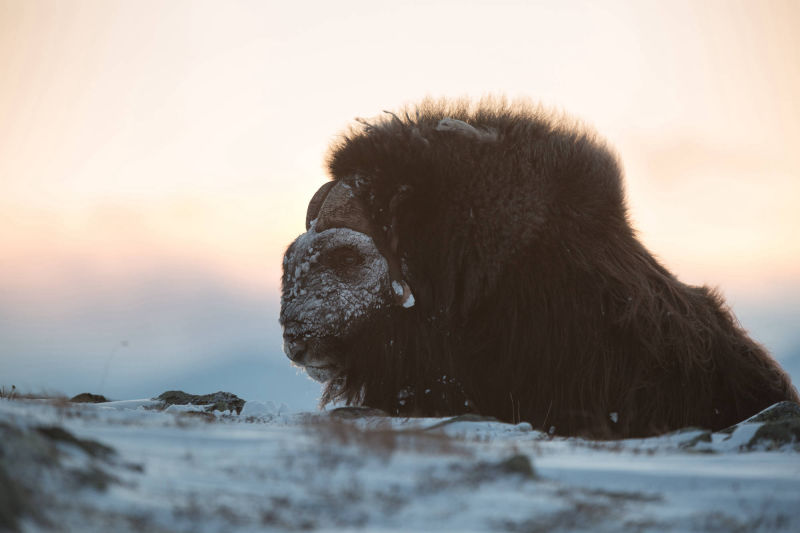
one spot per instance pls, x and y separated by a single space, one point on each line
293 347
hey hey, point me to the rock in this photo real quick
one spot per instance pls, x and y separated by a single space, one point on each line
772 435
88 397
779 426
778 412
218 401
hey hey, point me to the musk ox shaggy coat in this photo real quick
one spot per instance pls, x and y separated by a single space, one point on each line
480 259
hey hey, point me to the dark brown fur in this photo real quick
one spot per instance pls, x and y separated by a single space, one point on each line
534 299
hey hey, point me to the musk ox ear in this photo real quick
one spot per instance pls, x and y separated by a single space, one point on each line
316 203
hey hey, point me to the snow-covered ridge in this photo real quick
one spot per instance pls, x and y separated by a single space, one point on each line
135 466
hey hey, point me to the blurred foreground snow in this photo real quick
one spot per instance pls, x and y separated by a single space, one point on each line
125 466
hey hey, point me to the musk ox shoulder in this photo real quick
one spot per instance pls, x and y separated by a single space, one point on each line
479 258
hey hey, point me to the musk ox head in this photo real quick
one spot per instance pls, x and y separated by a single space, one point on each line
480 259
336 277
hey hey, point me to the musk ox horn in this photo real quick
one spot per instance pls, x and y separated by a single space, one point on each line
316 203
341 209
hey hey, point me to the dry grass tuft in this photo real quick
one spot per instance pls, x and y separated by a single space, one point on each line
381 439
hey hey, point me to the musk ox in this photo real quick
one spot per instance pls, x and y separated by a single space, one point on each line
480 259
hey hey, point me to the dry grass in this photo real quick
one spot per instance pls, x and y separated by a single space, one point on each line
13 393
383 440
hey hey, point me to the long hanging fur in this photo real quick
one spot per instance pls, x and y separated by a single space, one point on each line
534 299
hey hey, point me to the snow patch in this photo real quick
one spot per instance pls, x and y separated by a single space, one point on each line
267 469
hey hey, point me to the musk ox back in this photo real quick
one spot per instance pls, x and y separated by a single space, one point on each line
480 259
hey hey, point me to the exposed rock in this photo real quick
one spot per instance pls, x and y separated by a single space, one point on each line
779 426
88 397
218 401
772 435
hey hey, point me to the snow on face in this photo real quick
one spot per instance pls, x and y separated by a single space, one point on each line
332 281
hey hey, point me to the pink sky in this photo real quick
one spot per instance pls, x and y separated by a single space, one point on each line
196 129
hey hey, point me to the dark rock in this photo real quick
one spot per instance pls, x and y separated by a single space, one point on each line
88 397
218 401
780 425
772 435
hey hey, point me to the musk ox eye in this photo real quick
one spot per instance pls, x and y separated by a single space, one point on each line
343 257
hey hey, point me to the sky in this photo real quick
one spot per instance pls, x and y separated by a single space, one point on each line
156 158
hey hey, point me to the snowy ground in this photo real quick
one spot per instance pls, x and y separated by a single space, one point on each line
124 466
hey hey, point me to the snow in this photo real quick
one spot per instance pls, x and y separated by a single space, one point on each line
270 468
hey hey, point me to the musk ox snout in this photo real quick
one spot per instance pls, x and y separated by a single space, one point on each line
293 346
